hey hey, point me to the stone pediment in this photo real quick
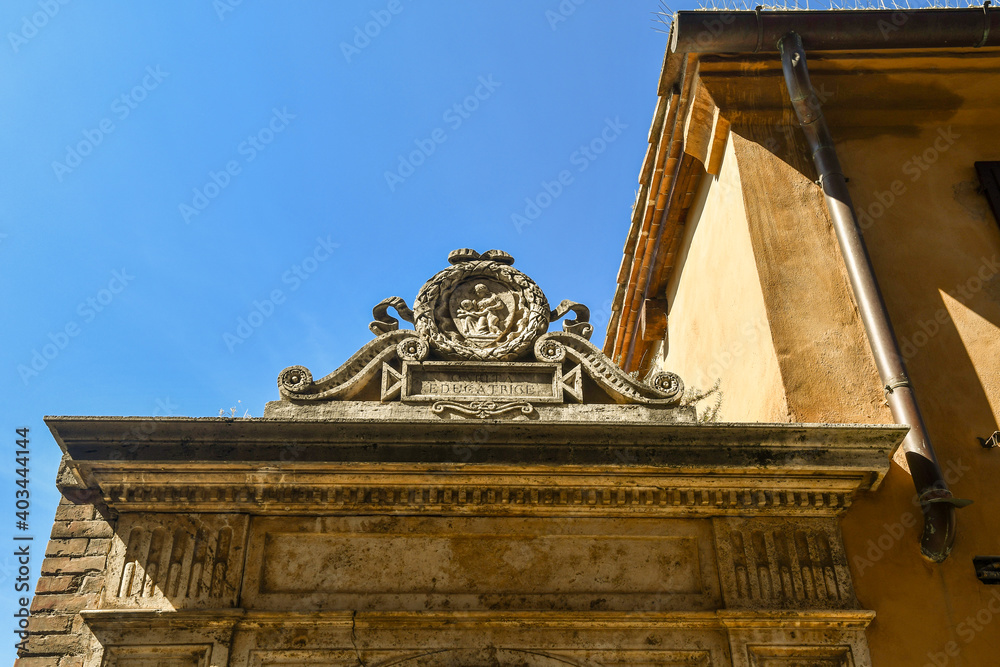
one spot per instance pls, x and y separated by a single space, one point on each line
481 348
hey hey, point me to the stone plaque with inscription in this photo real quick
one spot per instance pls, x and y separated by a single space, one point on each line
434 381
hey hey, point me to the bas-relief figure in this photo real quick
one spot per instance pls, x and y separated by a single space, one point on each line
484 317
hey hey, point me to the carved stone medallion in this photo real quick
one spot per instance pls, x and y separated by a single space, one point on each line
481 308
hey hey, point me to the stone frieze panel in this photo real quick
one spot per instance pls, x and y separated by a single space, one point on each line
424 563
153 655
484 657
792 563
792 646
151 638
793 656
176 561
482 639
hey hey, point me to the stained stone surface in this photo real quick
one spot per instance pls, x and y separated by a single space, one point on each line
178 561
469 564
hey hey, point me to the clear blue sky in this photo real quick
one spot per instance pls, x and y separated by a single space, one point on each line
166 165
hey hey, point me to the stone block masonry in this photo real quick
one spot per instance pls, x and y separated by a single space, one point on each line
72 577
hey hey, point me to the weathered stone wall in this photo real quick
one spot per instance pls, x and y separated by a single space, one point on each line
212 590
72 577
598 524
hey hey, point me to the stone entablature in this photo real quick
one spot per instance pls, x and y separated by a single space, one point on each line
373 538
540 639
476 491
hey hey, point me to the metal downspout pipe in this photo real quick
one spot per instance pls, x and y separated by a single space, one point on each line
936 500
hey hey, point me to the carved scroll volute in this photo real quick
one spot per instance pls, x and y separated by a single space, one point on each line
663 388
384 323
581 326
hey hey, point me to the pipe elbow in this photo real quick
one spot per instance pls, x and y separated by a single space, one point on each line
938 537
939 504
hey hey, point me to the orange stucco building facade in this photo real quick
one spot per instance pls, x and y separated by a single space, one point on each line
732 274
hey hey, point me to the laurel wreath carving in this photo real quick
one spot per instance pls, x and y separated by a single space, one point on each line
436 332
431 308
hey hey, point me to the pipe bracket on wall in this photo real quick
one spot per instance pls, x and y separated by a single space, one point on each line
987 569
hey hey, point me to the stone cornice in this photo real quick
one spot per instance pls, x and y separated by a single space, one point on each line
384 437
119 619
550 468
612 496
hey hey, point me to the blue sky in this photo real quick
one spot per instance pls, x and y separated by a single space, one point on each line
169 168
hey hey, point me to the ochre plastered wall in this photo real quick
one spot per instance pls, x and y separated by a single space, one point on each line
717 325
935 247
760 300
909 126
818 336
